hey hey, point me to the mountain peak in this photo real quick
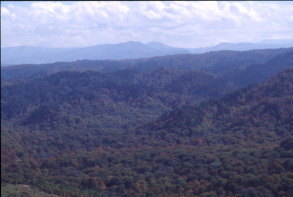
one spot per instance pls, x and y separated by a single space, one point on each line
157 45
132 42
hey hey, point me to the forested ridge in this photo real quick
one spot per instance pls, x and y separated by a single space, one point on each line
161 131
218 62
244 115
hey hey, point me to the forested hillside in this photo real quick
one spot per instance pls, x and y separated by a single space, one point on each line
254 74
77 103
247 115
87 134
237 66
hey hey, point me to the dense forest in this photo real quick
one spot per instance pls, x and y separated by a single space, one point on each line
214 124
217 62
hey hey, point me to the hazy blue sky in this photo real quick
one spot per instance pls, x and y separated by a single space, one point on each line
183 24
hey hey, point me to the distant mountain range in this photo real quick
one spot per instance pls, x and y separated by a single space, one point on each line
244 46
127 50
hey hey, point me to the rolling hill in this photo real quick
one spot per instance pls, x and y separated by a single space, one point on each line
179 125
238 144
221 63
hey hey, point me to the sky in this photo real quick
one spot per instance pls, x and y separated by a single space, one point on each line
187 24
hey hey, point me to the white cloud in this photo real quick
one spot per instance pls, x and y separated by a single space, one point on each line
183 23
4 11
